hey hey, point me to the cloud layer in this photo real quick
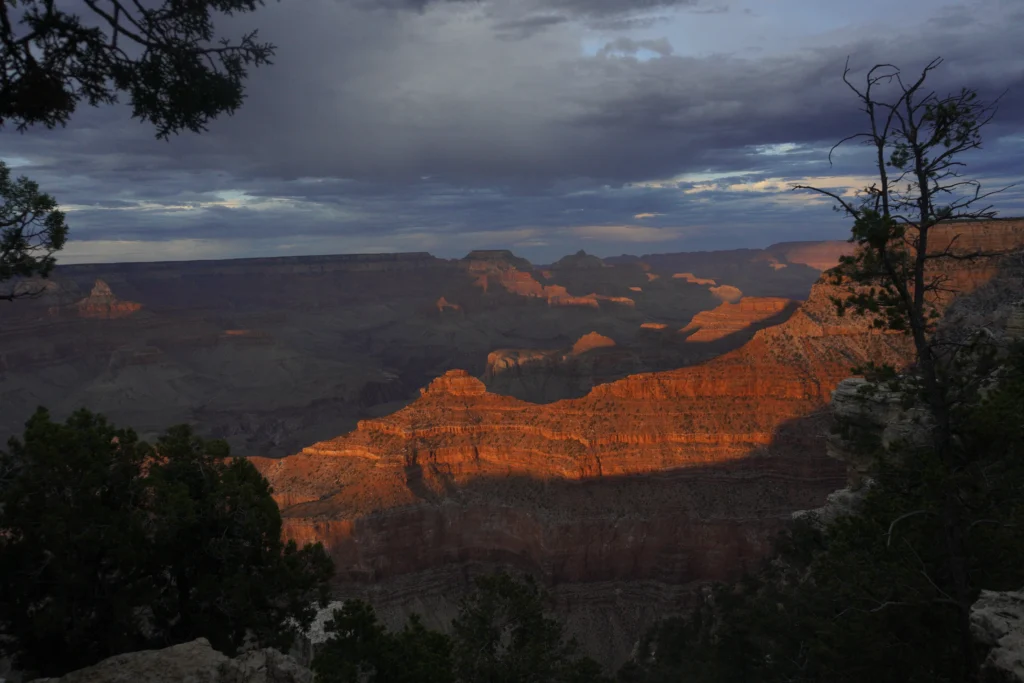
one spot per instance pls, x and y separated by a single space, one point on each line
540 125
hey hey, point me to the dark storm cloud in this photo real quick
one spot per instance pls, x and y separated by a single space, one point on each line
527 26
381 115
420 127
577 8
604 8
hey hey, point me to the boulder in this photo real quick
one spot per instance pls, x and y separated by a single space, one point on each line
997 622
192 662
869 413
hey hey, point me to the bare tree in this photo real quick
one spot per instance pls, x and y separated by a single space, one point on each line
897 273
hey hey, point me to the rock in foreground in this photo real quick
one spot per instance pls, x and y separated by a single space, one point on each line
997 621
194 662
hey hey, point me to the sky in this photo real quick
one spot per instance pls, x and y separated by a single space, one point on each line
541 126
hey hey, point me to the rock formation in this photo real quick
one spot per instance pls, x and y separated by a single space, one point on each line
727 293
591 341
730 318
543 375
661 479
333 329
787 269
867 412
690 277
524 284
444 305
101 303
577 490
192 662
997 622
500 258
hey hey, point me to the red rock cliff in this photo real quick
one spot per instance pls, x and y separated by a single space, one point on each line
674 477
457 437
730 318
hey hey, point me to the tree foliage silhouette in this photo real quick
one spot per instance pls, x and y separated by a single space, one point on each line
109 545
165 56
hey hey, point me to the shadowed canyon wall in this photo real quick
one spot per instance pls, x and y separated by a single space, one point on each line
273 354
645 487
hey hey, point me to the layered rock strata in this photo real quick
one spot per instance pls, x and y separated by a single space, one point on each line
727 293
543 375
674 478
523 283
731 318
670 478
693 279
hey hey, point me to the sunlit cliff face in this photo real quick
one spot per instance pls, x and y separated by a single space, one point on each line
672 477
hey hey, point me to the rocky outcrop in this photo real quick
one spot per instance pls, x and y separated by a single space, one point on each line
784 270
670 478
444 305
870 417
997 622
500 258
1015 323
524 284
727 293
192 662
723 292
731 318
590 342
544 375
101 303
673 477
693 279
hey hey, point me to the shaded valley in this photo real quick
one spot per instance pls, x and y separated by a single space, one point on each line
274 354
626 500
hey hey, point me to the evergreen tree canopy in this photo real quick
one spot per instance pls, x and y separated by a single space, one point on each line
163 53
32 229
870 596
500 634
109 544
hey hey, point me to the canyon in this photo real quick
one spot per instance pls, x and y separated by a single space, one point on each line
622 433
625 501
273 354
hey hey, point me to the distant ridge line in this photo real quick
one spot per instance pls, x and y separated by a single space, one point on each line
406 256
